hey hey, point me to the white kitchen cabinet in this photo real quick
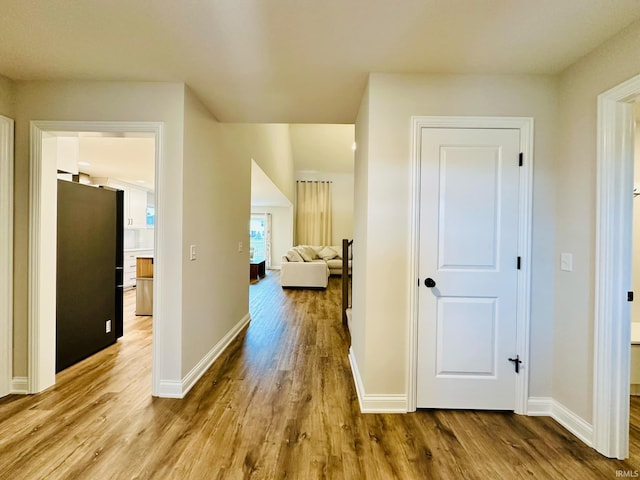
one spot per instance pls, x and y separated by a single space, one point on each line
135 202
129 270
137 210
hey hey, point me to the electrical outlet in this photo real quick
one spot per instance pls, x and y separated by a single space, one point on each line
107 327
192 252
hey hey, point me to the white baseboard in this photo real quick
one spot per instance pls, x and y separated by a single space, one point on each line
572 422
180 389
203 365
369 403
539 406
19 386
547 406
170 389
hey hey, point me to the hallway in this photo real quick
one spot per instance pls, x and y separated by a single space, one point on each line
279 403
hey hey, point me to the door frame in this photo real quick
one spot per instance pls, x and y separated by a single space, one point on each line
612 311
525 125
6 254
42 253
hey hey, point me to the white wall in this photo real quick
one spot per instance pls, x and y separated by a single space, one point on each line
6 97
383 185
204 183
270 146
216 205
610 64
281 231
341 201
103 101
359 278
322 147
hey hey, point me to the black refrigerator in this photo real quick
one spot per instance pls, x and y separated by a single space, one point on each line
89 298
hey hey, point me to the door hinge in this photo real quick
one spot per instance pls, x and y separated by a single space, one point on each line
520 159
519 260
629 296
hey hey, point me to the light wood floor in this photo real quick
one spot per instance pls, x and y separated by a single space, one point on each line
280 403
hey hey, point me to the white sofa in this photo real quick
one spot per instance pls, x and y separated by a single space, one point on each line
310 266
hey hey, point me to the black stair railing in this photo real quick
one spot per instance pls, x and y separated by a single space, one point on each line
346 278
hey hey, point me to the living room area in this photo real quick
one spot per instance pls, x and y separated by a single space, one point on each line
315 209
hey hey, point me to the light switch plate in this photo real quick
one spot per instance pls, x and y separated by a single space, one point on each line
192 252
566 262
240 247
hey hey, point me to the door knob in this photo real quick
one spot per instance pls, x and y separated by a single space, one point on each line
429 282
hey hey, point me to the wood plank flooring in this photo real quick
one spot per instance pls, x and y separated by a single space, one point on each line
279 403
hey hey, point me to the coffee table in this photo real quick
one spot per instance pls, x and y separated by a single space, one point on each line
257 269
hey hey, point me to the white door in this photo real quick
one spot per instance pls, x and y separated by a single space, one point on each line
468 248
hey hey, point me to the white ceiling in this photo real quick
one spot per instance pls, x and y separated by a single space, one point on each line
287 61
127 158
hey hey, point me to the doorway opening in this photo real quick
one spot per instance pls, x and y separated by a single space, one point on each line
43 227
612 312
634 404
6 255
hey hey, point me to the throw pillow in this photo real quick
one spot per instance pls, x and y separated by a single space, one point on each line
327 253
311 252
307 253
294 256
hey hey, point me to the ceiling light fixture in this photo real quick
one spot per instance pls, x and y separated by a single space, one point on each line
84 164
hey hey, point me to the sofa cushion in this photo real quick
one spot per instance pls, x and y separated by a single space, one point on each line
338 248
294 256
327 253
307 253
336 264
304 274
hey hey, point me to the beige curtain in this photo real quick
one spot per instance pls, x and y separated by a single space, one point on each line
313 213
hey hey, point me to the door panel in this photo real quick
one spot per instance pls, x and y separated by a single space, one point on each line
467 175
466 336
468 246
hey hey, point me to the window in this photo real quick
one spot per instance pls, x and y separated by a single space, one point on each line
258 233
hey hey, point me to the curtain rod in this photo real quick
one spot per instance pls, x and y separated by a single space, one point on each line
314 181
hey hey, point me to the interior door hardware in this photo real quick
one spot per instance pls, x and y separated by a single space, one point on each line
429 282
516 362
